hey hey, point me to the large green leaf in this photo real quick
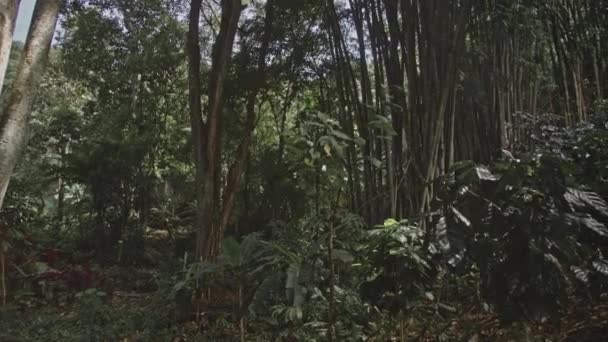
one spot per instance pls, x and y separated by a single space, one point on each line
483 174
231 251
460 217
344 256
601 266
596 226
585 201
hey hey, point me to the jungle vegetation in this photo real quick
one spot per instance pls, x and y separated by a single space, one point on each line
304 170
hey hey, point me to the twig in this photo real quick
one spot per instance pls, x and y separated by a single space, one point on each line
3 274
332 280
242 320
3 238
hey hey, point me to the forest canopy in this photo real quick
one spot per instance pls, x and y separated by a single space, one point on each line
303 170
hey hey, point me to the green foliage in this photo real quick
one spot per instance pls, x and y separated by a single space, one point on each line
241 264
319 149
527 232
400 268
284 281
92 319
109 170
106 135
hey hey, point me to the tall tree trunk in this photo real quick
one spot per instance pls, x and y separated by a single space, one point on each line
211 232
14 120
196 114
8 17
237 168
61 190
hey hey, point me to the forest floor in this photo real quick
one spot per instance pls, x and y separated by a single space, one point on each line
131 304
582 323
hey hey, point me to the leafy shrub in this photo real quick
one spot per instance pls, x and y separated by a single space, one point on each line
401 268
527 232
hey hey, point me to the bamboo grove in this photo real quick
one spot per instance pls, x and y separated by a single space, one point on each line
452 76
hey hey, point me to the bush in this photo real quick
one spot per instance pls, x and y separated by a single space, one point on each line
530 227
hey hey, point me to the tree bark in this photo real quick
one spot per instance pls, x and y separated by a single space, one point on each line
210 232
196 114
237 168
15 116
8 17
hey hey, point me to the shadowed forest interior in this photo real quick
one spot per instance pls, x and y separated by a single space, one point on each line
304 170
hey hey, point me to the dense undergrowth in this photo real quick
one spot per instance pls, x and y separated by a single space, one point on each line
524 238
325 155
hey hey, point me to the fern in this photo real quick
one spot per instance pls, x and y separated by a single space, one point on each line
585 201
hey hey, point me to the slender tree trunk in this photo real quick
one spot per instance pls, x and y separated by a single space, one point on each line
237 168
211 231
8 17
331 331
196 115
597 78
14 120
3 238
61 191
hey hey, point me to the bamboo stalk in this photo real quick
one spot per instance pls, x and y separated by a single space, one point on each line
3 273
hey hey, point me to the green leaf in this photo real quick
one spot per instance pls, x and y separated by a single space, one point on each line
601 266
336 146
484 174
340 135
360 141
231 251
586 201
581 274
595 225
376 162
327 149
460 217
323 117
293 276
390 222
344 256
249 247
